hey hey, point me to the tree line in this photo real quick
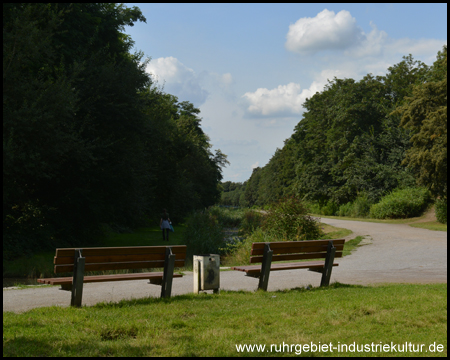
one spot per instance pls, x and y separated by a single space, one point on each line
88 139
361 139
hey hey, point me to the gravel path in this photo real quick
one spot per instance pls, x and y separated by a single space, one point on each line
394 253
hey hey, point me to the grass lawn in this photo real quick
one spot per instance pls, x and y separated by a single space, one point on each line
214 325
430 225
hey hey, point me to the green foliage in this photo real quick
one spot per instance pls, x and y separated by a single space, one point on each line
441 210
203 234
288 219
251 221
87 138
350 142
403 203
227 217
425 114
360 207
233 194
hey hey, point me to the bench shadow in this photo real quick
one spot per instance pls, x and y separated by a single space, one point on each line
335 285
153 300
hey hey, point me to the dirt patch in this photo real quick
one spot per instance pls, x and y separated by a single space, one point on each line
429 215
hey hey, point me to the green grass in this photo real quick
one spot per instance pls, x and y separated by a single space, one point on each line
212 325
351 245
431 225
333 232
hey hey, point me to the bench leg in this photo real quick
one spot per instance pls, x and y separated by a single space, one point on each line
326 274
169 266
265 268
78 277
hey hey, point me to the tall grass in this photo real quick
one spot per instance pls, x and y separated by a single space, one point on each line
441 210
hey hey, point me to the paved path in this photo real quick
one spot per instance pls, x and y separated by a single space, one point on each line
395 253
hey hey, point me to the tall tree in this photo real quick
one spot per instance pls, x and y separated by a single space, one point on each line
425 114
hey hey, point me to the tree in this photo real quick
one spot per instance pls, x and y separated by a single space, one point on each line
425 114
87 139
348 143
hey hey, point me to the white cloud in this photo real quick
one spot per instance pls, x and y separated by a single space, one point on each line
178 79
325 31
284 100
330 31
227 79
255 165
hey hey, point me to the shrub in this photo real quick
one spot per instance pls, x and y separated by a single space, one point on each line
361 206
203 234
227 217
440 209
240 254
330 208
251 221
402 203
345 209
289 220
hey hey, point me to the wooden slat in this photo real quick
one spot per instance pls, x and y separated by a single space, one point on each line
118 266
105 278
287 266
67 260
283 244
290 247
130 250
290 257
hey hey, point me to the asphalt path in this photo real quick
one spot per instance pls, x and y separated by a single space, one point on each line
393 253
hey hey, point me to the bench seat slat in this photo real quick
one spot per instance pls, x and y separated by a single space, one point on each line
99 251
259 259
105 278
289 247
255 269
118 266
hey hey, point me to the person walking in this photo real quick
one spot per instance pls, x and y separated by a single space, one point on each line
165 224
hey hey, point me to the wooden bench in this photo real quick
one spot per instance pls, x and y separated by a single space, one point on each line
266 253
79 260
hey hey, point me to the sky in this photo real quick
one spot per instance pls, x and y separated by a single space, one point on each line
250 67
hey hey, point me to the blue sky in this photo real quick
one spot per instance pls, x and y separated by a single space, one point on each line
250 67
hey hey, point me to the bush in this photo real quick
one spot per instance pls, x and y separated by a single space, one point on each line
403 203
440 209
227 217
240 254
203 234
289 220
361 206
345 209
251 221
329 209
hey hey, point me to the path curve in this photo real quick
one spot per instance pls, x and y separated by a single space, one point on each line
396 253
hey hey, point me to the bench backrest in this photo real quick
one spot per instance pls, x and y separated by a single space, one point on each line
119 258
296 250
